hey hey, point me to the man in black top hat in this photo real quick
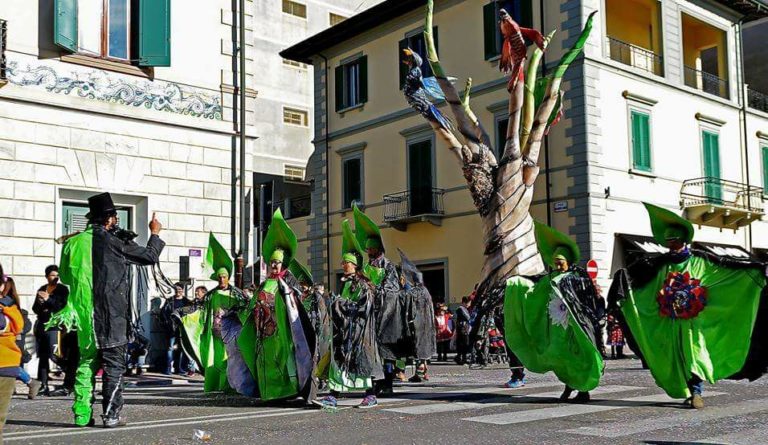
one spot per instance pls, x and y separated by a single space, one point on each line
99 305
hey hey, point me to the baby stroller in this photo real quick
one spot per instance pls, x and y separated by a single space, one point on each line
497 349
490 347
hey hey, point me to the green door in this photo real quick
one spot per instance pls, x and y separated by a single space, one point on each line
420 178
712 187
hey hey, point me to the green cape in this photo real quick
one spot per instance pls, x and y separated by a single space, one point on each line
279 236
545 340
666 224
216 257
553 243
714 344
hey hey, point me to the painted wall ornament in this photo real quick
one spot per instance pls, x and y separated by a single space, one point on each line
102 86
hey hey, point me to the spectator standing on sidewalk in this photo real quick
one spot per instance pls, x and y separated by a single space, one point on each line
463 328
12 324
50 298
178 362
444 331
615 337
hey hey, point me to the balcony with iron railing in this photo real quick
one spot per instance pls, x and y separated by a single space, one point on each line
636 56
403 208
721 203
757 100
706 82
3 43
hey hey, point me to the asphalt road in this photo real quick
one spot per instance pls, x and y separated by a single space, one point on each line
457 406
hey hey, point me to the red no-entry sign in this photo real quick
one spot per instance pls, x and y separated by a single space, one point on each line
592 269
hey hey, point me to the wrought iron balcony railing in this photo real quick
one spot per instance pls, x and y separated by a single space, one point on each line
3 43
413 205
294 207
636 56
706 82
757 100
721 203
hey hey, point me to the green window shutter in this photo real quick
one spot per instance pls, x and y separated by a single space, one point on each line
641 141
403 44
155 32
711 143
765 169
338 74
363 87
490 30
65 24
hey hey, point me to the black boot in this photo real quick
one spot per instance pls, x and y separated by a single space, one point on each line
566 393
581 397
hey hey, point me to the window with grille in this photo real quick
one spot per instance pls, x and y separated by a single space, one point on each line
295 117
295 8
74 219
335 19
294 173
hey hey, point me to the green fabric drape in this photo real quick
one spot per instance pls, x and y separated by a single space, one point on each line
545 342
271 360
714 344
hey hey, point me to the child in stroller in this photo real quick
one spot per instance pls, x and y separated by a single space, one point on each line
490 347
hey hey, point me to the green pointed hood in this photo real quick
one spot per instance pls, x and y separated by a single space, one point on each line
553 243
667 225
366 231
349 243
217 258
279 237
301 272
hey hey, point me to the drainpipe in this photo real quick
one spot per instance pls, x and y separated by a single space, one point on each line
243 228
743 112
547 187
327 175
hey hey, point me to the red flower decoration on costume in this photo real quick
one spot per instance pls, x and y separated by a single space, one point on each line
681 297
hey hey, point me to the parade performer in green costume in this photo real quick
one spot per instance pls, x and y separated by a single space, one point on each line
692 315
203 338
355 357
95 265
277 340
391 324
551 324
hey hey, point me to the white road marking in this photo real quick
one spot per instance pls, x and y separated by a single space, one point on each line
658 423
147 422
432 408
746 437
567 410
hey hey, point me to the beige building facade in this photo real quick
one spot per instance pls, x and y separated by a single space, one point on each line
653 112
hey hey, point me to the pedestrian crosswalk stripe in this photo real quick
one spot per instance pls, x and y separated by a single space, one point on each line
746 437
499 400
646 425
498 389
534 415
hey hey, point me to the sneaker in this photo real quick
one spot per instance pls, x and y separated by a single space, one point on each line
326 402
34 388
368 402
515 383
113 422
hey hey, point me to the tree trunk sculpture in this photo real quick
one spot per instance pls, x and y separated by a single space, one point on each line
502 189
